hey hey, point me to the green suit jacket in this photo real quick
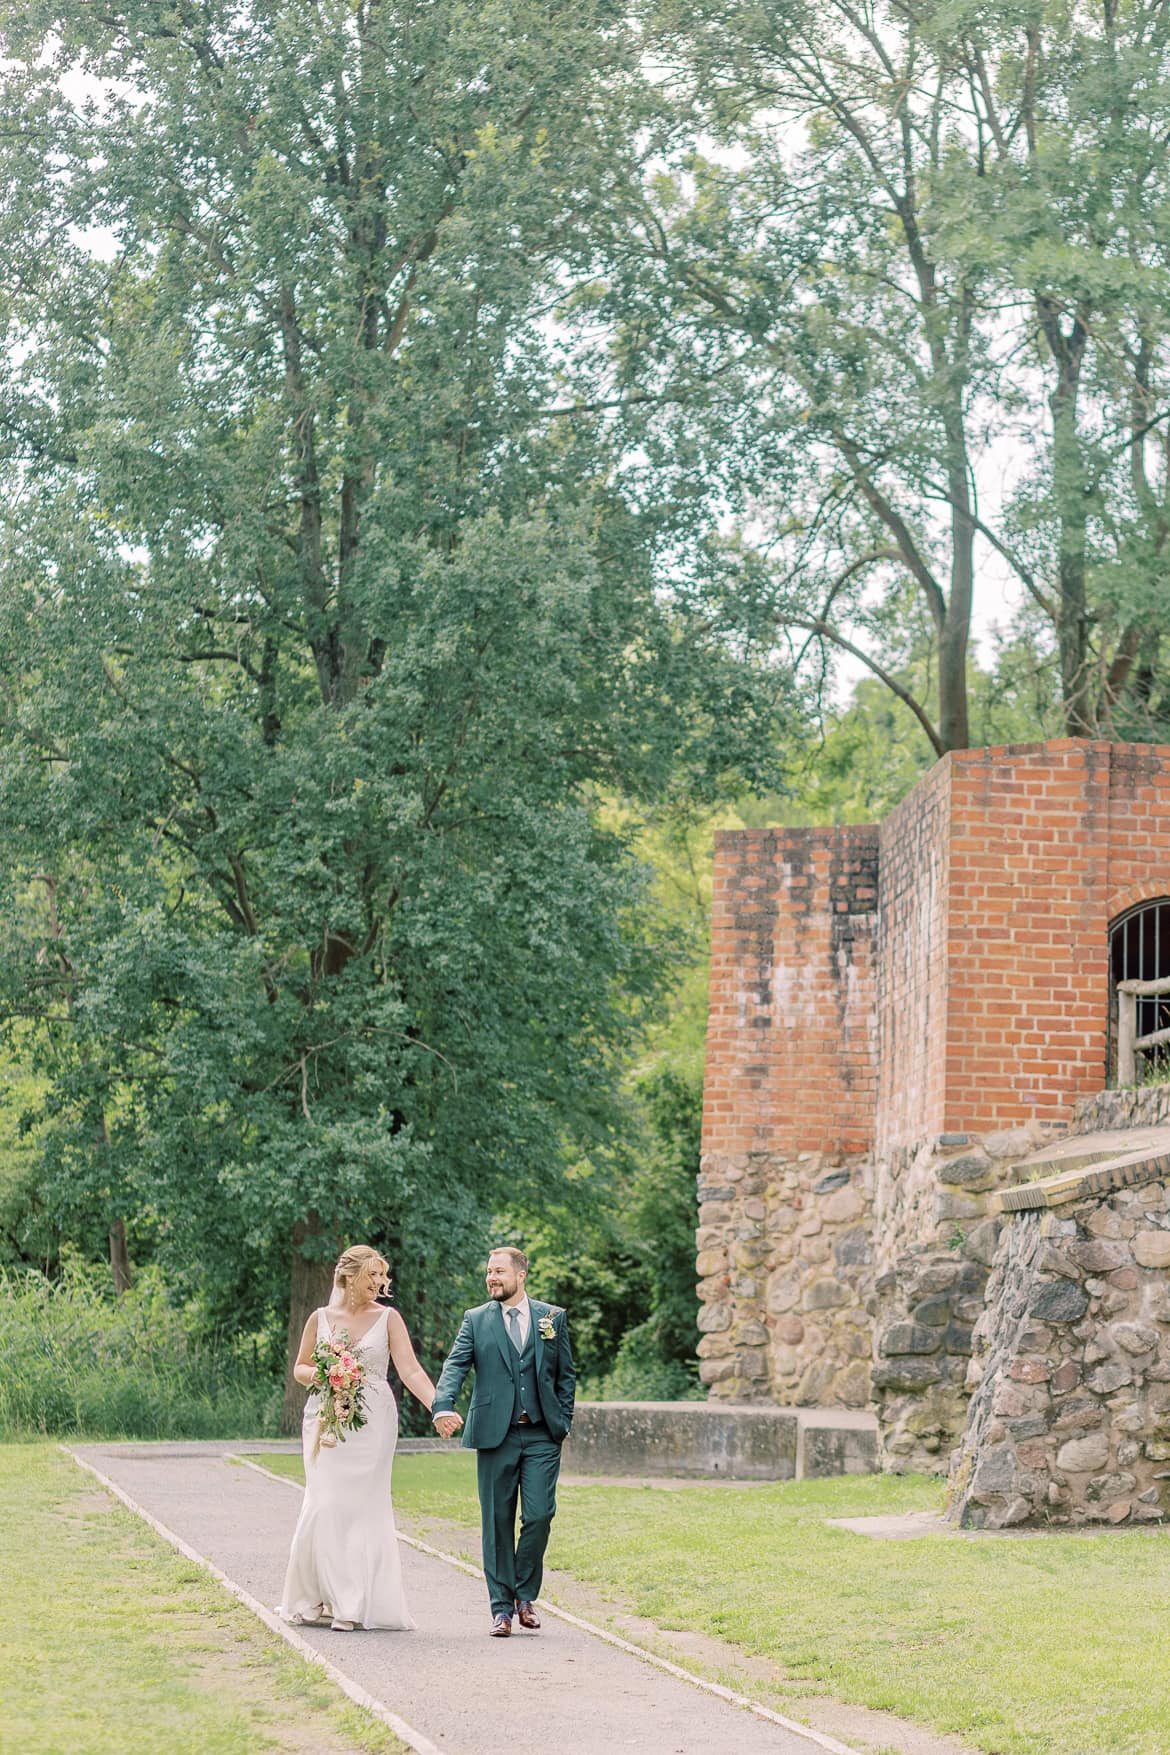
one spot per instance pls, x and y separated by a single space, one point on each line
482 1346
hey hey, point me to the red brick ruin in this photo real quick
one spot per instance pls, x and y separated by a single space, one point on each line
899 1015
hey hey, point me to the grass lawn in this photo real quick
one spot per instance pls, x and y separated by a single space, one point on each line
112 1644
1051 1644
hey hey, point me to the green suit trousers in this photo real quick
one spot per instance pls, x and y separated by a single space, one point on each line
523 1468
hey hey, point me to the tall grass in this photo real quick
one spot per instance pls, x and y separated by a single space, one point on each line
76 1361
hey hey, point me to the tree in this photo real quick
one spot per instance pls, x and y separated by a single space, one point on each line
809 272
1071 109
326 615
906 245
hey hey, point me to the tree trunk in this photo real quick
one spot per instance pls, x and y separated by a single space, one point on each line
1069 484
120 1258
953 721
309 1283
1073 630
953 637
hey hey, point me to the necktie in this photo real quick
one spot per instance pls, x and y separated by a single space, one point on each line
514 1327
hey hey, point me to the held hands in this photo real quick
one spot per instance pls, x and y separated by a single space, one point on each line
446 1425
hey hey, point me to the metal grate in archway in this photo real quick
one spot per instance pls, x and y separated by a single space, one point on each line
1139 950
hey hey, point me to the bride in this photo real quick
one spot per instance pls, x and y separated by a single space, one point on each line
344 1566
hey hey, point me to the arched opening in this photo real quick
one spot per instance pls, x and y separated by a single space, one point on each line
1139 950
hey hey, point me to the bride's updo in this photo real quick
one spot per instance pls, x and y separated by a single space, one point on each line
350 1263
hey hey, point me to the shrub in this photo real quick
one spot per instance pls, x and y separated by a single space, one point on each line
76 1361
642 1373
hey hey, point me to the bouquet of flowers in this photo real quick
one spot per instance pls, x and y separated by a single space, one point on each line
338 1381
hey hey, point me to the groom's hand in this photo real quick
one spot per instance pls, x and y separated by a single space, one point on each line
446 1425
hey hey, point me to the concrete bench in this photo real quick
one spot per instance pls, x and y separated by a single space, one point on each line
718 1440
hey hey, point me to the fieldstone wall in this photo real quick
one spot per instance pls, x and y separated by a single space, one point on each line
1148 1106
1069 1421
812 1295
936 1237
785 1259
934 1194
927 1307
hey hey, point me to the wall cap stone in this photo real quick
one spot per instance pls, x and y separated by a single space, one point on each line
1102 1173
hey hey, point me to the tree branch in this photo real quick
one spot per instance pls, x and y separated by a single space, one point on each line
824 632
899 529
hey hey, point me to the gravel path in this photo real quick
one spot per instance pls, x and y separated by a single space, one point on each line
569 1690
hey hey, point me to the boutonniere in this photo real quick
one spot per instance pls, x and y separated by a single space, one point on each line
547 1328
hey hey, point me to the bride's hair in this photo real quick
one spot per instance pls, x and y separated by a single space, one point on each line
351 1261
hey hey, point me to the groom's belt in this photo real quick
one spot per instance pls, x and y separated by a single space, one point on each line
526 1420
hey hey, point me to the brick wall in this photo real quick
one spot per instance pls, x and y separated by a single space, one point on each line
1139 825
791 1035
912 964
1048 842
979 999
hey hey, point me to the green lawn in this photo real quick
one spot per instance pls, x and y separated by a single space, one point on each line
1043 1645
112 1644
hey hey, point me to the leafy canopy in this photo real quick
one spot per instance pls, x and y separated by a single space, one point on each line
329 606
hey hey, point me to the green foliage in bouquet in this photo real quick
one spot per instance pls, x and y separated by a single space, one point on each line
337 1383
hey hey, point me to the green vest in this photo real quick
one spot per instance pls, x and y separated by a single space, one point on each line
527 1399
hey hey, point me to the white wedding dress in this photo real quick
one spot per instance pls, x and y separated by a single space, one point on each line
345 1549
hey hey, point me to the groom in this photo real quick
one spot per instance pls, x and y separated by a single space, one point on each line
520 1413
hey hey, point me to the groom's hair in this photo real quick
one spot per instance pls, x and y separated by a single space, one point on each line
519 1259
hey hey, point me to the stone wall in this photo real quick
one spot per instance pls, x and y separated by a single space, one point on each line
806 1299
937 1233
927 1307
1069 1421
932 1194
1148 1106
786 1277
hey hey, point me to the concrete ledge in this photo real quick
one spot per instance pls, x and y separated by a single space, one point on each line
1104 1176
708 1440
836 1441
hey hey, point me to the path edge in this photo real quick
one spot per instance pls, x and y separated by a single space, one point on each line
414 1739
820 1738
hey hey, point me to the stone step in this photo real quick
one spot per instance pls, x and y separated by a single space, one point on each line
1096 1177
1080 1151
721 1441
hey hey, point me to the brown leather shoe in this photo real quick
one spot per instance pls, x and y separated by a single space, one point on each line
527 1615
501 1627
